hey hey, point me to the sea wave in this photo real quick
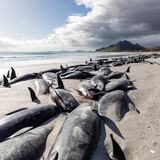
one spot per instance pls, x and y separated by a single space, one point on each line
32 59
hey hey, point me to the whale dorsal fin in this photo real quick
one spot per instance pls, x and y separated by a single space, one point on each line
5 82
60 82
33 96
8 73
128 69
13 73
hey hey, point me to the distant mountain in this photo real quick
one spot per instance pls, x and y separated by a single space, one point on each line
121 47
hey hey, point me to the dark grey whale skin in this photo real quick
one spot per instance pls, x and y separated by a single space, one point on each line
54 70
99 81
120 84
23 78
115 75
79 75
83 88
116 101
28 146
79 135
27 118
63 99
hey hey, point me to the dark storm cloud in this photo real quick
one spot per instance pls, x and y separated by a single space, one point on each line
110 21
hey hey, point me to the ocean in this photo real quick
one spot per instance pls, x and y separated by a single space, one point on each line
18 59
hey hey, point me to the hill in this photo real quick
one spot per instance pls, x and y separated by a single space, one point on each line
121 47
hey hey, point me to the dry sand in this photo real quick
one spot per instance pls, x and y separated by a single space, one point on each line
141 131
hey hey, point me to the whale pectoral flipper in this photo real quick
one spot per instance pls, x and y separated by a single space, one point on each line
126 76
109 123
117 151
33 96
132 105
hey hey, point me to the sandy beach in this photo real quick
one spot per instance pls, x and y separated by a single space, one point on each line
141 131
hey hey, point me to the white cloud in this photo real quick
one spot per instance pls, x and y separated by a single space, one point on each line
107 21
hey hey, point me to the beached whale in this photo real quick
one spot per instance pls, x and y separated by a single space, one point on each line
42 87
28 146
99 81
76 66
119 84
79 75
53 70
63 99
118 63
49 77
114 105
89 91
105 70
78 137
83 88
12 123
115 75
24 77
89 68
68 72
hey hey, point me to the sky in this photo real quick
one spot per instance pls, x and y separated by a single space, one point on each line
46 25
